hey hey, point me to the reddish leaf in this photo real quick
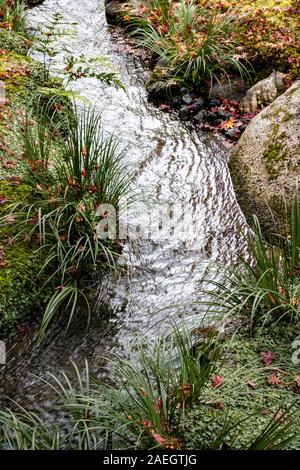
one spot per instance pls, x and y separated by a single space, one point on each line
217 381
253 385
164 106
229 124
267 357
274 379
21 328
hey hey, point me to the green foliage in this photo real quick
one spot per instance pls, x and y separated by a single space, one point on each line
12 42
190 40
156 399
68 182
267 287
245 394
21 292
13 14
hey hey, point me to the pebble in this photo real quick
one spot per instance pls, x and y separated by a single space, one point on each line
197 105
184 91
177 101
233 133
224 115
184 112
201 116
187 98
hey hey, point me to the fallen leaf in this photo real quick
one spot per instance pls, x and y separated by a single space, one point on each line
274 379
264 411
10 218
253 385
217 381
15 180
267 357
297 380
296 385
143 392
164 106
7 164
220 405
229 124
21 328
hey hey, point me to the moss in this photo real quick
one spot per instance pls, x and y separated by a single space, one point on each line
13 42
274 152
20 285
20 73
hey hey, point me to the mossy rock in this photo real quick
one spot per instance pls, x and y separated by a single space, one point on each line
21 288
265 164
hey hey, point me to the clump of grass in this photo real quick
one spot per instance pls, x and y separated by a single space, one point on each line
191 41
13 14
267 286
145 408
70 176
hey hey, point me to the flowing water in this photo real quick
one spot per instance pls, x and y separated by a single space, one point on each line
172 165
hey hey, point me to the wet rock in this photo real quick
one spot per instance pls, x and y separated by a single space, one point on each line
223 114
265 164
210 116
233 90
233 134
201 116
184 112
263 93
187 98
177 102
197 105
184 91
33 3
214 102
243 127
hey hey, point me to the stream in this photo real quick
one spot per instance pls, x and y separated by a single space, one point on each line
172 165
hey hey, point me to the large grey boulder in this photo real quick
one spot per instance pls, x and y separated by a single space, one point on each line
265 164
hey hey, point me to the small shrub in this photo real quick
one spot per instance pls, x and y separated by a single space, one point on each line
191 41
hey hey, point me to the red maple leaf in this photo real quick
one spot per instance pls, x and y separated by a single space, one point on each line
229 124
